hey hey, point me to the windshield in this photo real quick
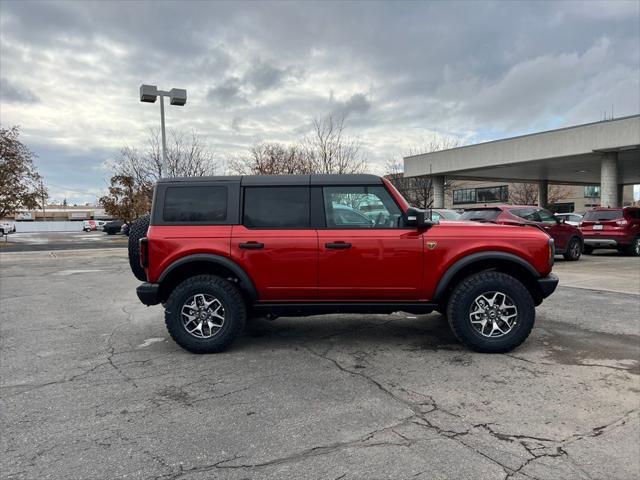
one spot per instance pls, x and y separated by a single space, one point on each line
482 215
602 215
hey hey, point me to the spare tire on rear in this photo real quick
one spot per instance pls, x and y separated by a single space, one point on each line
137 231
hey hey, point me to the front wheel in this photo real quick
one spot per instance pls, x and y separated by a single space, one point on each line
205 314
574 250
491 312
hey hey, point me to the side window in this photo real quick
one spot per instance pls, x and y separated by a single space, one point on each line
195 204
526 213
276 207
546 217
360 207
435 215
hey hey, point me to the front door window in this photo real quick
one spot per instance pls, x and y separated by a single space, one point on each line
360 207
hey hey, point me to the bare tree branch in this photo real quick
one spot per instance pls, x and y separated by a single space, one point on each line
136 171
418 190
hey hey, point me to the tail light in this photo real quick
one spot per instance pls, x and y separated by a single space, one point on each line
552 251
622 222
144 252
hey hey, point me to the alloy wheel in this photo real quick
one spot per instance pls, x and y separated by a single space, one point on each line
202 315
493 314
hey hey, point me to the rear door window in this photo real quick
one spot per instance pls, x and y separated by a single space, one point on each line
276 207
195 205
529 214
546 217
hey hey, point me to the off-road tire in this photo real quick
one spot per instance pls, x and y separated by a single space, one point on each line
574 250
634 248
235 313
468 290
587 249
137 231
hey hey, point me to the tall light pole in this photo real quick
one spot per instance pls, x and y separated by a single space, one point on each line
177 96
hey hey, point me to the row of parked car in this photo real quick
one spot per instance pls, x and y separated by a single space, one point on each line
573 233
110 228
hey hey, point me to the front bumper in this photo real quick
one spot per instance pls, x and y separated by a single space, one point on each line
149 293
548 284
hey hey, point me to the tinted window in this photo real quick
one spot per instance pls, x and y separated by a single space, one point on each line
360 207
546 217
492 194
526 213
482 215
276 207
602 215
195 204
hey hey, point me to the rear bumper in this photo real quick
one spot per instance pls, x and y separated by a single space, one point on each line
607 238
149 293
548 284
601 242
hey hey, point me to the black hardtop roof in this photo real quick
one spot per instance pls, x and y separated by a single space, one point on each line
274 180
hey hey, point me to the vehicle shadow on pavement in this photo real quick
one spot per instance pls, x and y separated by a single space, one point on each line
425 331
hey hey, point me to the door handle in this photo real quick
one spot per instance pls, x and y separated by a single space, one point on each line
252 245
338 245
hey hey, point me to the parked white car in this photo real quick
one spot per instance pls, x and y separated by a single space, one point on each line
570 218
6 228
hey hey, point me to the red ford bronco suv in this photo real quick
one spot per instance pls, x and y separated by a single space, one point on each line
217 250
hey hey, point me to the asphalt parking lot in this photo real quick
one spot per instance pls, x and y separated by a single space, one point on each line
92 386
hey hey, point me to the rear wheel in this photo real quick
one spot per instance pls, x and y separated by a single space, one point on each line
205 314
634 248
137 231
574 250
587 250
491 312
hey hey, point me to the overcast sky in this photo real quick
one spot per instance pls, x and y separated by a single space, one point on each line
70 73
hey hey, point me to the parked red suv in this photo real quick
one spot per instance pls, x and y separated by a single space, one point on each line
219 249
568 239
612 228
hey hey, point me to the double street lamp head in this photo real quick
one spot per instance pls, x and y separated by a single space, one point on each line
150 93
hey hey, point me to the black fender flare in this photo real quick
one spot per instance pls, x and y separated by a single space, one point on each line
246 284
457 266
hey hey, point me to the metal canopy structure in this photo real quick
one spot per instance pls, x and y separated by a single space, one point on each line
605 153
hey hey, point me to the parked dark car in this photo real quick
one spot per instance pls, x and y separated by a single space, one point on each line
113 227
568 239
612 228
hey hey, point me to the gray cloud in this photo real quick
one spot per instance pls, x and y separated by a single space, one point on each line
357 104
227 93
264 70
264 76
12 93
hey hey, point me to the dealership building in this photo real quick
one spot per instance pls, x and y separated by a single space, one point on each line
573 168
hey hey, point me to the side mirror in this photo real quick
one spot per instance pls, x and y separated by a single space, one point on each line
416 217
561 220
